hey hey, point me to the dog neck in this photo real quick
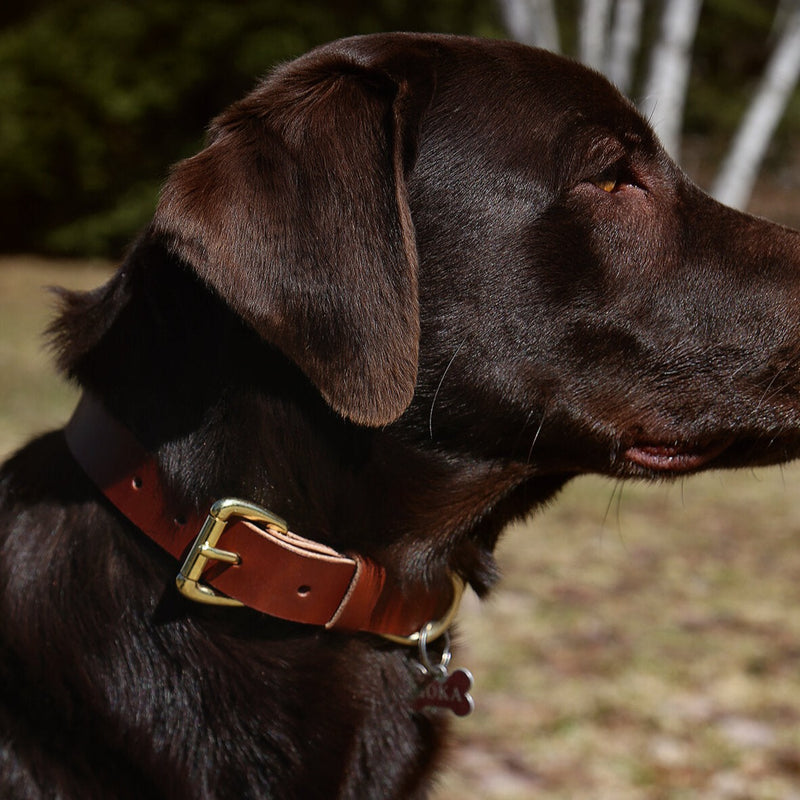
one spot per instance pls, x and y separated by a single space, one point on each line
271 569
225 415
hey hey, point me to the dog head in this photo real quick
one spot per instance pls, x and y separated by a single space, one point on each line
486 246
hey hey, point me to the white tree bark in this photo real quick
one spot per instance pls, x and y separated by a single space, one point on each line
624 43
665 90
734 183
593 32
532 22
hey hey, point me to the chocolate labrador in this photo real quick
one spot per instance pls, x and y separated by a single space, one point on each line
411 286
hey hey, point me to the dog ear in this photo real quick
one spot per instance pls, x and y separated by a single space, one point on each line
296 213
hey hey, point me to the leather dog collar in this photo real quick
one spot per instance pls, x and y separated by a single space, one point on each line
263 565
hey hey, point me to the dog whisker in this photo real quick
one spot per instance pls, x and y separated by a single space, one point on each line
536 435
767 394
441 381
616 487
524 426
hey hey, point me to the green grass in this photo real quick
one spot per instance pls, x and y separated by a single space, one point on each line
644 642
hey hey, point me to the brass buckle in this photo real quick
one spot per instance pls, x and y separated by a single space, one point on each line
434 629
204 548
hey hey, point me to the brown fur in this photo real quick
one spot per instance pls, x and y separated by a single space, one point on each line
390 302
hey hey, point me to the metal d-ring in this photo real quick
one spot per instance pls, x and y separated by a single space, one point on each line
436 670
434 629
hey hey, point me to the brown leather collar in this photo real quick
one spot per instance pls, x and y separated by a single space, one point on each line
258 562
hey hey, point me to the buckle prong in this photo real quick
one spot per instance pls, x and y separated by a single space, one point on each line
220 555
204 548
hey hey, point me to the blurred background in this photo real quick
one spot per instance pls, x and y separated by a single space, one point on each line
98 97
644 642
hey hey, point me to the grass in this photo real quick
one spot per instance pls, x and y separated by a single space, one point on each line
32 397
644 642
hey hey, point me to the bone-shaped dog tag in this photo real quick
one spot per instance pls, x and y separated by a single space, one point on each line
447 691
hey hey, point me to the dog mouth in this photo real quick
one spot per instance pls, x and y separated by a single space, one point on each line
675 458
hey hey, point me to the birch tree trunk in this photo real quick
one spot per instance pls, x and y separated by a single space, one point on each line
593 32
665 90
532 22
734 183
623 43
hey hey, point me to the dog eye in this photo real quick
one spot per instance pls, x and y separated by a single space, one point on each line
608 180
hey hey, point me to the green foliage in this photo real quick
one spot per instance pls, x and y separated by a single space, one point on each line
734 41
99 98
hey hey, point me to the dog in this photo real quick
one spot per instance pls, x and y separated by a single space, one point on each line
412 285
